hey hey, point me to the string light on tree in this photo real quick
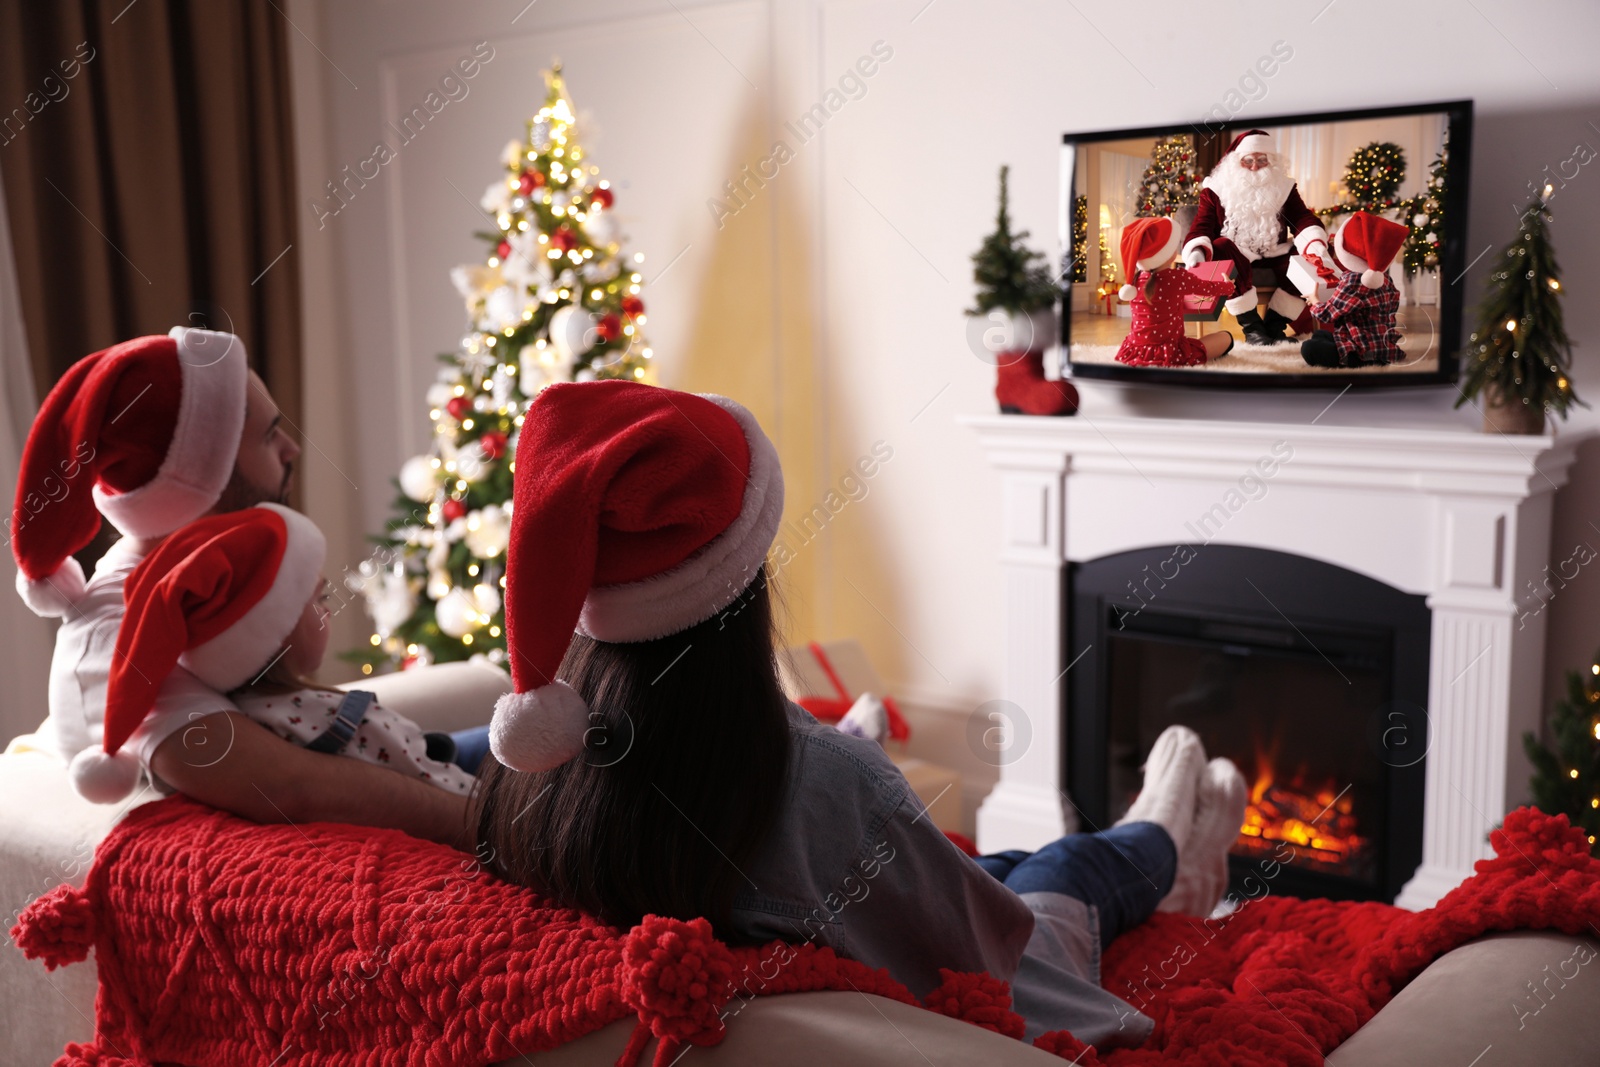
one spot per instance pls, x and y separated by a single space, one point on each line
1425 214
1372 179
554 299
1080 238
1566 777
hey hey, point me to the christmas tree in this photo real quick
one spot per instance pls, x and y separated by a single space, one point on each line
1424 213
1567 780
1371 179
1520 349
1169 181
1079 267
1010 275
554 300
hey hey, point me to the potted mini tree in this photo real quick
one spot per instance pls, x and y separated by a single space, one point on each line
1013 322
1518 357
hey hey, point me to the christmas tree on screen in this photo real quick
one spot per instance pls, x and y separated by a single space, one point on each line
1169 181
555 299
1425 214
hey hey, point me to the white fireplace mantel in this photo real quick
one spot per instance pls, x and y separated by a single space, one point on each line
1460 518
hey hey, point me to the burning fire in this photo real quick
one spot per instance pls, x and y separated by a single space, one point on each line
1318 821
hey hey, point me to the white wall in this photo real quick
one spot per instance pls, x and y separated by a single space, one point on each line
833 302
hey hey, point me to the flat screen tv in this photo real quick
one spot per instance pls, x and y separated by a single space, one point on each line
1245 206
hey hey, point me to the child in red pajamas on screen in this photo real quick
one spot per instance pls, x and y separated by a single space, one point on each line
1156 293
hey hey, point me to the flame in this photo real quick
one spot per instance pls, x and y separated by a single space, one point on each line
1318 821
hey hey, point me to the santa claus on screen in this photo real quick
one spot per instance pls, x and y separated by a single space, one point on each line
1249 211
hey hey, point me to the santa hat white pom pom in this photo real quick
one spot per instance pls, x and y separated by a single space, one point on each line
102 778
540 729
55 596
1372 279
1127 293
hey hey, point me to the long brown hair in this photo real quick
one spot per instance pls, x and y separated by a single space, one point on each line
681 777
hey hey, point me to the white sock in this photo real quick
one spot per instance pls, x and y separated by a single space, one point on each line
1171 780
1203 865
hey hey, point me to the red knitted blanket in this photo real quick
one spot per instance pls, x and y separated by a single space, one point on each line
221 941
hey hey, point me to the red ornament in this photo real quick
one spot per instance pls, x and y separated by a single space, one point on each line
503 249
632 305
530 180
452 510
493 444
610 327
564 238
459 407
603 196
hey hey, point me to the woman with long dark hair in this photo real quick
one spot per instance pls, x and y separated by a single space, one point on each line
648 762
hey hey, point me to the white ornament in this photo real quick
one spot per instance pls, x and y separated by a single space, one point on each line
496 198
601 226
572 332
486 599
1420 218
456 613
488 532
513 154
472 462
587 374
539 135
417 479
535 376
439 394
438 585
502 310
394 603
1431 238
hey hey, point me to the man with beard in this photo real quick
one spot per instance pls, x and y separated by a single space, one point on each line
1249 208
152 434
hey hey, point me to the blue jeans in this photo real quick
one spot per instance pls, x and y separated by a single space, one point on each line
472 747
1122 872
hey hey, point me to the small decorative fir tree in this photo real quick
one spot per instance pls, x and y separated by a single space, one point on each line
1169 181
1520 349
553 300
1566 781
1011 276
1080 238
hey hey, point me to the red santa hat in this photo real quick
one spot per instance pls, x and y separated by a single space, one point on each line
218 597
144 433
637 512
1146 245
1253 141
1367 244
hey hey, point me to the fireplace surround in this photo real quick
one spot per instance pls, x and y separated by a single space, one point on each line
1457 519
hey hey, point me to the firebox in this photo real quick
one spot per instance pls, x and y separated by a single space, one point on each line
1312 678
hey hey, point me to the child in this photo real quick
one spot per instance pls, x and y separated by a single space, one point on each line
648 763
239 601
1156 293
1360 313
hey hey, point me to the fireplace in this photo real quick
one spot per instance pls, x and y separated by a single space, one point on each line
1312 678
1449 527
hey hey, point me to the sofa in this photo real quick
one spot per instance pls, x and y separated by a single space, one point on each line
1466 1002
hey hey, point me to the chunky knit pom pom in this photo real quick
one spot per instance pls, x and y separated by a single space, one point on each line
979 999
57 928
1062 1043
677 976
78 1055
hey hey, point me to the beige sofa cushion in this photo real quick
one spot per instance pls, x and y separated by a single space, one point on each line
1476 999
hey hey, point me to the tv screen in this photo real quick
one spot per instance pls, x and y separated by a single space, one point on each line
1303 250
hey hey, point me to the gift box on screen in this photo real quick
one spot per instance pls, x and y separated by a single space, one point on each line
825 678
1212 270
1304 272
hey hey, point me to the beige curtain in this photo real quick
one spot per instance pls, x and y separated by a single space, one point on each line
26 640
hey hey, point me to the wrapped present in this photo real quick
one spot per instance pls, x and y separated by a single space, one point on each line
827 679
1313 276
1207 308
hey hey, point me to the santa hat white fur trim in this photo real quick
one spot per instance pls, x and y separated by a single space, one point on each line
713 577
1127 292
539 729
205 441
1164 255
234 656
1257 142
54 595
1352 262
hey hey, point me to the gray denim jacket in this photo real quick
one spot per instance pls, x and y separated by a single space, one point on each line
855 864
